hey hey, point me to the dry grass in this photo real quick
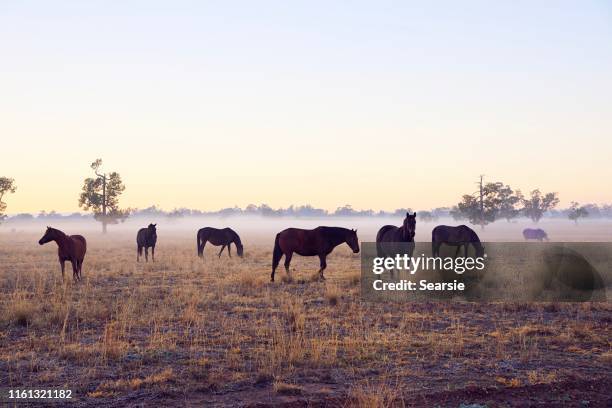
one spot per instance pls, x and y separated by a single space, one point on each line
286 389
214 328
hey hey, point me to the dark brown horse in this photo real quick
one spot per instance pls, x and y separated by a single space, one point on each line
393 234
317 242
69 248
225 237
146 238
459 236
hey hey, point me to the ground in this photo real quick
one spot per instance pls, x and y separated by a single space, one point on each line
212 331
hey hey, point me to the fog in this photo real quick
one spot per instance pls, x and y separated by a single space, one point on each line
259 228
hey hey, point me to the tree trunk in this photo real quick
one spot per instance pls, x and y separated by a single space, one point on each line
104 203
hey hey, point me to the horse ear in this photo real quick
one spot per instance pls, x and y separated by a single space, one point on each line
407 214
414 214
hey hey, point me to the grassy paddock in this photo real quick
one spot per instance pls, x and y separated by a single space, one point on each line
217 331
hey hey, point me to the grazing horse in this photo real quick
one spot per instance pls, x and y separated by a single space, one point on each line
146 238
391 233
225 237
69 248
320 242
455 236
535 233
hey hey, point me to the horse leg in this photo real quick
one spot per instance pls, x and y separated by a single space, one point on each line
323 266
435 248
63 266
153 252
81 269
202 249
288 261
138 252
146 254
229 247
275 260
467 247
75 269
222 248
458 249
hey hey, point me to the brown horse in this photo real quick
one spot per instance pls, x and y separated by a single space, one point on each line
225 237
146 238
69 248
459 236
393 234
320 242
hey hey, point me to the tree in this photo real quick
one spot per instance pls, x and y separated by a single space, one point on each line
427 216
537 204
576 211
7 186
101 195
470 208
490 202
506 200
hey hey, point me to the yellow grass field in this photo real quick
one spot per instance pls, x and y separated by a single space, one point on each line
188 331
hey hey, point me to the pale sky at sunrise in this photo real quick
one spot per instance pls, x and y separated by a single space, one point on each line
380 104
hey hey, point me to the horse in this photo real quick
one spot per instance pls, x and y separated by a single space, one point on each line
393 234
69 248
459 236
535 233
146 238
225 237
320 242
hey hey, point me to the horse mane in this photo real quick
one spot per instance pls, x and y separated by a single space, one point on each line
55 230
474 236
336 233
236 237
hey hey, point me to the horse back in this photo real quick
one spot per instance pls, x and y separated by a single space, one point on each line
448 234
385 233
217 236
304 242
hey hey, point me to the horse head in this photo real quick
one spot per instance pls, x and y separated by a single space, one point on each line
48 237
353 241
239 249
409 226
152 229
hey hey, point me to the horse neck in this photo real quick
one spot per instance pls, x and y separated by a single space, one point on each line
405 234
59 237
339 236
474 238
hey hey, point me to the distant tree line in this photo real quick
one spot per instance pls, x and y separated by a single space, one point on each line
594 211
495 201
492 201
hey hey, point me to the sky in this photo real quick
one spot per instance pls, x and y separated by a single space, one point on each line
382 105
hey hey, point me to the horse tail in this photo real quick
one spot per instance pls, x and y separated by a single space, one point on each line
199 244
379 237
277 254
433 241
